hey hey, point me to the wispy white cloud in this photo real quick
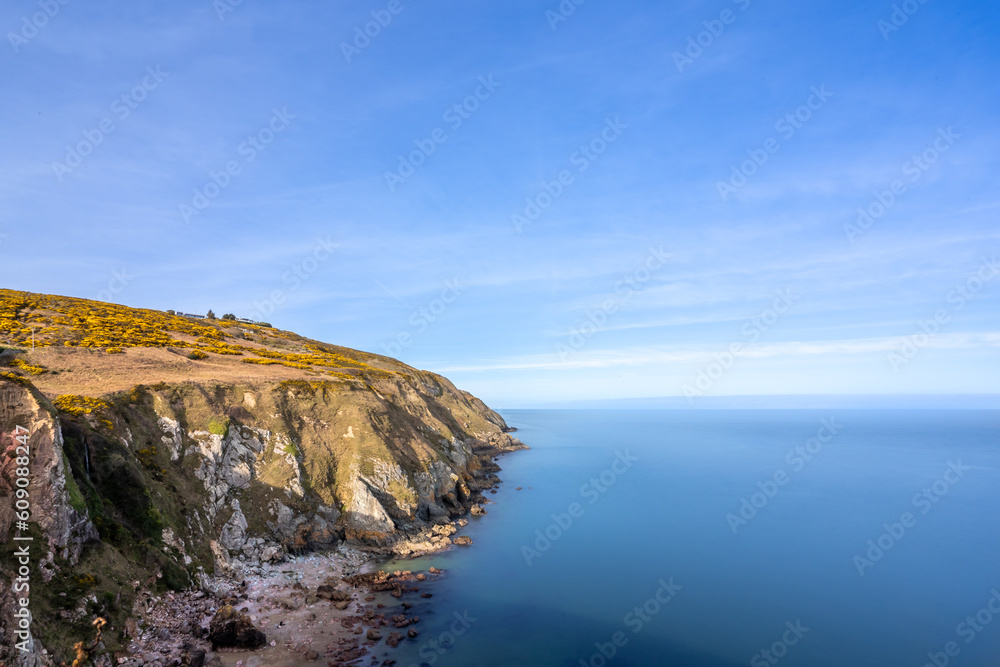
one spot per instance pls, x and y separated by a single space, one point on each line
687 354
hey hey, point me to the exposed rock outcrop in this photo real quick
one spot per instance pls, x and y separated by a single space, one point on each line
30 433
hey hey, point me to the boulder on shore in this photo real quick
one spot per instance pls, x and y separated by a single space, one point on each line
234 629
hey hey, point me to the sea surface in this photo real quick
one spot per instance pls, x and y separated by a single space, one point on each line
705 538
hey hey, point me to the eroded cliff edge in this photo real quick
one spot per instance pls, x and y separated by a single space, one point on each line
154 487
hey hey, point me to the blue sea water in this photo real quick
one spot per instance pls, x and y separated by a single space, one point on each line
867 538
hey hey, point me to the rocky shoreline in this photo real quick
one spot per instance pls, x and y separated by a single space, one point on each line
329 609
334 608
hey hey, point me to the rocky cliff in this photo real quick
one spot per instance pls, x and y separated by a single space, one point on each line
156 477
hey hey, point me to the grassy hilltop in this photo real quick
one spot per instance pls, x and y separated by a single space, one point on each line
160 343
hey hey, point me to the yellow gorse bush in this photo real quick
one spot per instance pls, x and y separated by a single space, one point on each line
83 323
72 322
28 367
277 362
77 406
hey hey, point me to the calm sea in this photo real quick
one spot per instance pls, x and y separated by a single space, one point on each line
719 538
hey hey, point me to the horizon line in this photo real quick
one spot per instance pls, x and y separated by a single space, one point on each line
944 401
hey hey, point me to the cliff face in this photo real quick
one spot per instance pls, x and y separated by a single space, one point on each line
157 485
30 432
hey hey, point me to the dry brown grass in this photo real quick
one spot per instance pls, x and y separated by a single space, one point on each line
95 373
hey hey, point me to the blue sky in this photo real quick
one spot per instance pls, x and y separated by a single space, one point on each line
563 233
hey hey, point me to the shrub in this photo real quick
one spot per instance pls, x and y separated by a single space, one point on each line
114 350
13 377
174 577
147 457
218 347
218 426
197 354
76 500
28 367
79 405
272 362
